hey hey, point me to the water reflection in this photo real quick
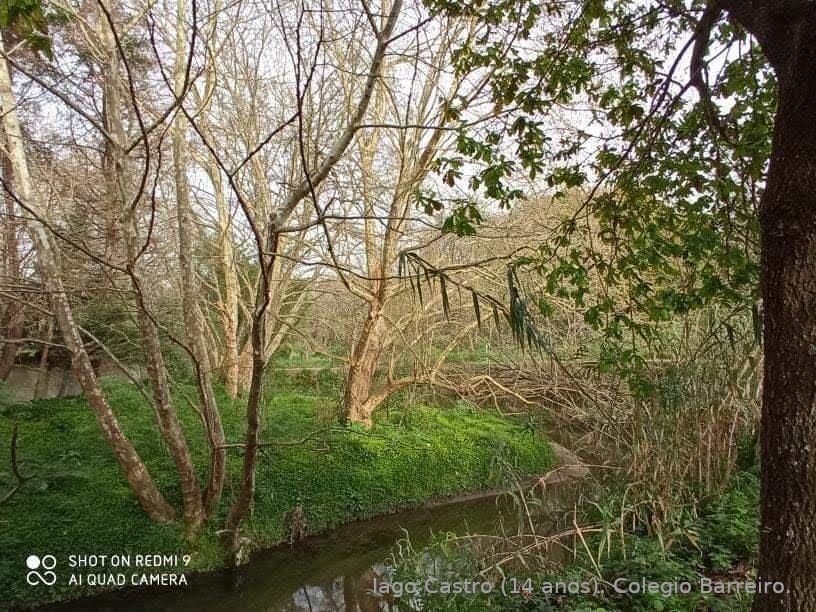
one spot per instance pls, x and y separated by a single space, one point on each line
332 572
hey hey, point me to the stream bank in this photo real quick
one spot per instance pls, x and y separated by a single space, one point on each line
77 501
335 570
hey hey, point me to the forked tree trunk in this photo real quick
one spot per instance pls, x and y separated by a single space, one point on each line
363 367
115 172
135 470
788 429
267 260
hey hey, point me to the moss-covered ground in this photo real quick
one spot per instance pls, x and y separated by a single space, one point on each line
78 502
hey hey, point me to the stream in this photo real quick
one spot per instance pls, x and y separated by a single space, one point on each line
332 571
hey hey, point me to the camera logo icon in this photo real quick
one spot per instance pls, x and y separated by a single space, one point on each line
34 577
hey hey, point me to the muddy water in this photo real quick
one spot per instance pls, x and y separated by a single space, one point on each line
334 571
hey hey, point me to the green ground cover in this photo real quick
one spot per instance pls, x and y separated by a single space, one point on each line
77 501
718 543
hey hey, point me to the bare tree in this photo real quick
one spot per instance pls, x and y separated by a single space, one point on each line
137 474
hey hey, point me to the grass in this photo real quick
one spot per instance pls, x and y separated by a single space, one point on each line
77 501
719 543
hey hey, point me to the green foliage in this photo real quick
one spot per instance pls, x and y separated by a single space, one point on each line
730 527
30 20
661 215
80 502
727 531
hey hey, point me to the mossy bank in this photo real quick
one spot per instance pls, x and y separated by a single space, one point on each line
78 502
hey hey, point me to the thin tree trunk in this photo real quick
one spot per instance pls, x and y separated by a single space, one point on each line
135 470
115 166
788 429
243 502
246 493
12 327
12 318
229 304
41 386
193 320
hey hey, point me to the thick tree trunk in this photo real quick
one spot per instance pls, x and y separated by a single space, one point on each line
363 368
788 430
135 470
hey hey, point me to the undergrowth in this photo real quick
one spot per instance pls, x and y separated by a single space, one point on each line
78 502
719 543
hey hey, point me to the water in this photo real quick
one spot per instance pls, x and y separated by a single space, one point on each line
330 572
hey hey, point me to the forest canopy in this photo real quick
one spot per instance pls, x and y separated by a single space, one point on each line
593 214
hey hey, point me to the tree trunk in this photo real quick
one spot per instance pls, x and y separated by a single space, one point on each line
116 177
193 318
135 470
167 418
363 367
788 429
12 318
41 386
229 303
12 328
243 502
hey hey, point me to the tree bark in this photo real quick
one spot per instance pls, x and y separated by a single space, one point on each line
193 319
115 168
12 319
788 227
41 386
267 257
228 305
363 367
135 470
243 502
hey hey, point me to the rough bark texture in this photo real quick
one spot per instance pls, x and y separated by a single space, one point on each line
787 33
135 470
788 432
363 367
117 181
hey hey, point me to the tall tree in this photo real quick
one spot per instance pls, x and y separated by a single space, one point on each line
119 179
137 474
193 319
678 185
